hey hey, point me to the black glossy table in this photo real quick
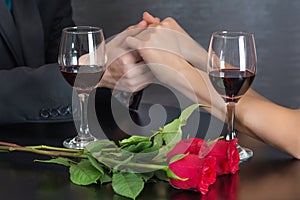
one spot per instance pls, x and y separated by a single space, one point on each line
270 174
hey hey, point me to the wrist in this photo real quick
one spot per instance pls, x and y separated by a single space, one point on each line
195 54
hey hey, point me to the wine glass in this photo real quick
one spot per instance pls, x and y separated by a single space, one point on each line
232 68
82 60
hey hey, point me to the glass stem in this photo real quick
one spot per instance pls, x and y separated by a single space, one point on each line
230 120
84 127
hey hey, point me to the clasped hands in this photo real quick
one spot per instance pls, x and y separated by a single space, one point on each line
152 49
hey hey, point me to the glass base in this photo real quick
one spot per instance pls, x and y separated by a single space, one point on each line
245 153
77 142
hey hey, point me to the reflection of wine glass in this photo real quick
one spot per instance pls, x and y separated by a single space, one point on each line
232 68
82 63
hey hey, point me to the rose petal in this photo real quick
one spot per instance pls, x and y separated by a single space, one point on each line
208 175
227 156
191 146
199 171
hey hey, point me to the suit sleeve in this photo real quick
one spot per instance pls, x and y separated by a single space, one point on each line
34 95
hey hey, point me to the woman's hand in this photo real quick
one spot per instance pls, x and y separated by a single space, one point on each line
159 47
193 52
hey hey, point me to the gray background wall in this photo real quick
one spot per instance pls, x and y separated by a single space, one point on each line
275 24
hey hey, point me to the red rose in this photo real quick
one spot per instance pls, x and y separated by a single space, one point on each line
227 156
200 173
191 146
202 162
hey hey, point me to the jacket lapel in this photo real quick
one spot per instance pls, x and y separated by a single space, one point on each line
29 25
9 33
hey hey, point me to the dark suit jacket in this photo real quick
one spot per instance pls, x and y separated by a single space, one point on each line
31 88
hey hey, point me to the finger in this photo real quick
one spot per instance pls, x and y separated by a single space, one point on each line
125 56
142 24
133 76
131 57
150 19
136 70
107 80
130 31
131 85
137 83
122 67
129 71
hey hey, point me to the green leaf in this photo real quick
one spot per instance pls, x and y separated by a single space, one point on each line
176 124
84 173
124 162
127 184
162 153
172 138
136 148
173 126
154 148
109 160
161 175
98 145
165 149
105 178
172 132
135 139
147 176
59 160
158 140
186 113
96 164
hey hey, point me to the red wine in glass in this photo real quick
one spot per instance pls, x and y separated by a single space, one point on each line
231 84
82 78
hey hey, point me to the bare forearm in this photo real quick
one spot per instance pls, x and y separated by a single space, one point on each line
274 124
195 85
255 115
194 53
